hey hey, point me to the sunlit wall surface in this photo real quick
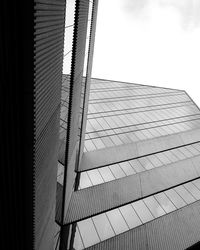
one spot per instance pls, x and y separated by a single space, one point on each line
123 116
149 42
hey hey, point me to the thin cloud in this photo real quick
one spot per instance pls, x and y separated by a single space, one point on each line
188 9
136 8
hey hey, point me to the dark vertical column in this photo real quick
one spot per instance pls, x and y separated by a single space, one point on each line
31 73
17 113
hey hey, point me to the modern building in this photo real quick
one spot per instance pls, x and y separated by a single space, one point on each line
90 163
138 184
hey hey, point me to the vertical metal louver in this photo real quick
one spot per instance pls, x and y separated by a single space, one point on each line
48 58
69 154
78 55
88 75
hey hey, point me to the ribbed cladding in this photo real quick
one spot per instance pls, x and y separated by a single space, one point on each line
93 200
45 178
48 58
131 240
177 230
78 55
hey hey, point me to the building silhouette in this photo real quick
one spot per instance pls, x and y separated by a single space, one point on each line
90 163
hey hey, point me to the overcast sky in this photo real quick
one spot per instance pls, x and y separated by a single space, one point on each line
154 42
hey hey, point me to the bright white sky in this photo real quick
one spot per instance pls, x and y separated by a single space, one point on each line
154 42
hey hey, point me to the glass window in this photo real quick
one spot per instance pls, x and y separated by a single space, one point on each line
186 152
154 206
193 150
142 211
98 143
137 166
130 216
95 177
117 221
175 198
89 145
193 190
188 198
116 140
106 174
127 168
88 232
103 226
84 181
197 183
155 161
146 163
163 158
179 154
171 156
78 244
165 203
117 171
